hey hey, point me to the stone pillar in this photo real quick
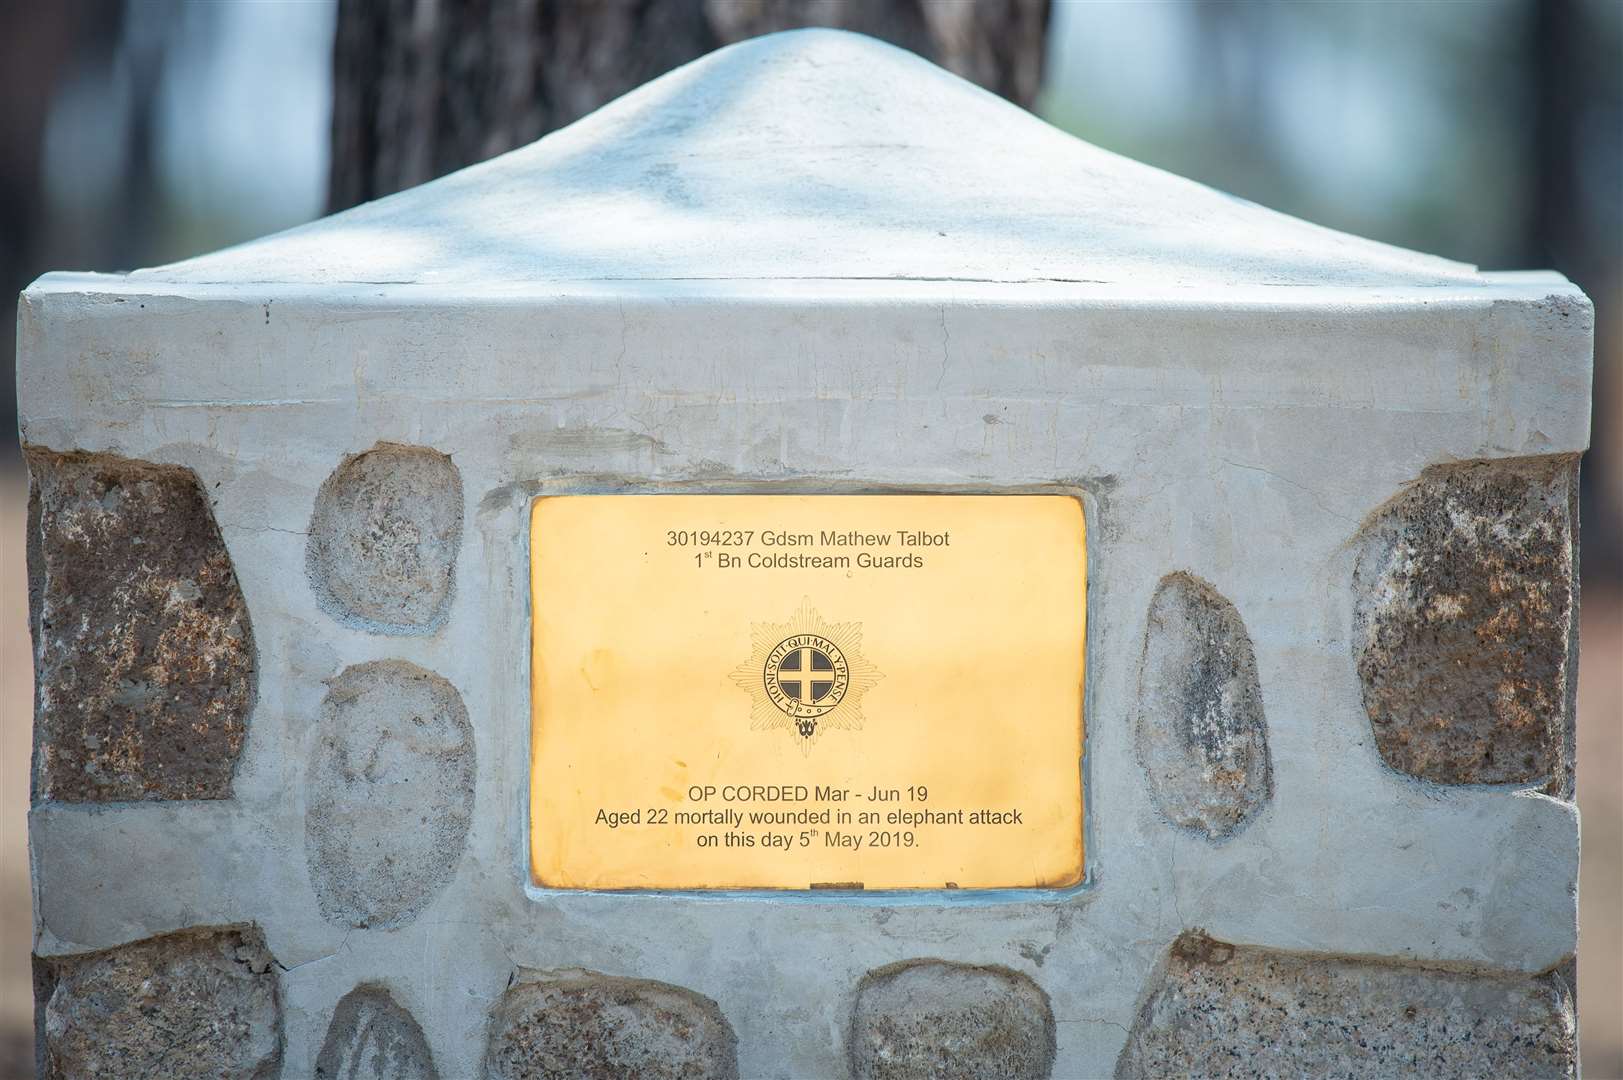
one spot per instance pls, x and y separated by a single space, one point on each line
281 599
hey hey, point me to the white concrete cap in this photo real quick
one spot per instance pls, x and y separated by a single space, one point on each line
816 154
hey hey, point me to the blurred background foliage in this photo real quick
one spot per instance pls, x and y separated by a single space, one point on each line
1488 131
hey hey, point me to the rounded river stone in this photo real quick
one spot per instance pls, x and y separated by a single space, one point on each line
1201 736
372 1037
195 1005
589 1025
929 1019
390 793
383 539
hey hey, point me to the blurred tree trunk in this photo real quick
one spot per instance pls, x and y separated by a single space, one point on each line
1555 61
424 87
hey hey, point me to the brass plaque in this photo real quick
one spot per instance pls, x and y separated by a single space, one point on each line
806 691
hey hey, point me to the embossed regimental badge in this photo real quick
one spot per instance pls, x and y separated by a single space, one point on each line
806 675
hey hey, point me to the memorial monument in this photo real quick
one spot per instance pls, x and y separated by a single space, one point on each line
808 571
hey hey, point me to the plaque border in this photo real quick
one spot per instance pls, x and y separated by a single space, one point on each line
1092 495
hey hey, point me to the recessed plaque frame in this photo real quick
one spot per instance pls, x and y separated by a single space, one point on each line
789 691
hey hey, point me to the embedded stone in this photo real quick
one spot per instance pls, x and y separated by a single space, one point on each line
924 1019
383 539
588 1025
372 1037
390 793
1201 735
1224 1010
1463 623
195 1004
144 656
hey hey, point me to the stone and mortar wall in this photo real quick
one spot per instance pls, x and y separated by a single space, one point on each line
281 737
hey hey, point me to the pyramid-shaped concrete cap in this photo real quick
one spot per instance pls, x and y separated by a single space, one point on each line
815 155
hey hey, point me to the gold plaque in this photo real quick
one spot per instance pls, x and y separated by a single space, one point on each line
806 691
